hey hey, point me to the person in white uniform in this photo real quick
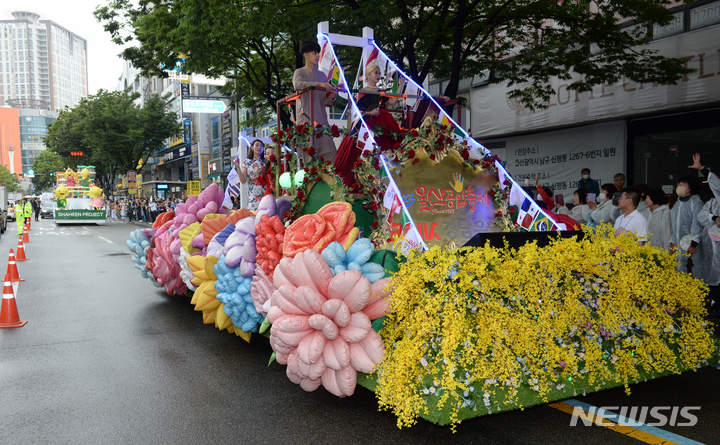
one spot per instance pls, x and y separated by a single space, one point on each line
659 220
685 223
580 211
631 220
600 211
709 218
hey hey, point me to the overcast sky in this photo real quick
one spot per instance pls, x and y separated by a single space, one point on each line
104 66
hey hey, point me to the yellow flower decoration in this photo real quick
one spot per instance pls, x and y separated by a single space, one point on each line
601 309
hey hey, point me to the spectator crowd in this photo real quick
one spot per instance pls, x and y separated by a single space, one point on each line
690 226
140 209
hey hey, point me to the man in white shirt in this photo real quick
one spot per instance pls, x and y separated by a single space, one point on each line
631 220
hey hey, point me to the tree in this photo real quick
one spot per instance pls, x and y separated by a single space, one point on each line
256 45
46 164
525 42
112 131
9 179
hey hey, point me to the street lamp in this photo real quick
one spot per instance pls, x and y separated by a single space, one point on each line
11 154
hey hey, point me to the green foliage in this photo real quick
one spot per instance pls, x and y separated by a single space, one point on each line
525 42
45 165
253 44
112 131
9 179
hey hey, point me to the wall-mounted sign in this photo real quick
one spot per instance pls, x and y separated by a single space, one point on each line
203 106
178 153
193 188
214 168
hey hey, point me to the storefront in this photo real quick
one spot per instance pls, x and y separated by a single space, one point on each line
172 168
662 146
649 132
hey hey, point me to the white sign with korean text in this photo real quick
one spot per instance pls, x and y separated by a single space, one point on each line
559 156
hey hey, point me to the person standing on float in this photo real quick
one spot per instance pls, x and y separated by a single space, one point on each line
310 76
372 107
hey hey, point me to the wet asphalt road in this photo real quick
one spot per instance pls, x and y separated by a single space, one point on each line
108 358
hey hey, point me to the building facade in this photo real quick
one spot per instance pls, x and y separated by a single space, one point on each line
646 131
42 64
33 129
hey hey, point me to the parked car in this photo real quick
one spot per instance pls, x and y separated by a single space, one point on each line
10 214
47 209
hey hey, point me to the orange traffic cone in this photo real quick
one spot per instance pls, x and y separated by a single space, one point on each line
9 317
12 271
25 236
21 251
27 224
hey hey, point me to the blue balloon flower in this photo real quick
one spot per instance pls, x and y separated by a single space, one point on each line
138 244
356 258
234 292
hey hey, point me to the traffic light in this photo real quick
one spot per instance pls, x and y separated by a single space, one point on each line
72 153
76 153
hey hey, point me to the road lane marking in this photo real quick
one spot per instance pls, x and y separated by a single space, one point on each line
105 239
641 432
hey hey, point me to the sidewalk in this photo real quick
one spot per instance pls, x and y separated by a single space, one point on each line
110 221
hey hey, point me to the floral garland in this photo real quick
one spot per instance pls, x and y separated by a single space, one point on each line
298 138
431 140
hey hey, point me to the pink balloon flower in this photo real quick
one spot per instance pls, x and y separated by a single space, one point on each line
319 325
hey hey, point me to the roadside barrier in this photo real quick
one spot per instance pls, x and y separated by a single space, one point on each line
21 251
12 270
25 235
9 317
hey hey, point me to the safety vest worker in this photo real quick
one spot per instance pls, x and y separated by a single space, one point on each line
20 216
28 209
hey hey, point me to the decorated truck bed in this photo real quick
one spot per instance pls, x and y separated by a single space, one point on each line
444 334
79 200
369 282
80 211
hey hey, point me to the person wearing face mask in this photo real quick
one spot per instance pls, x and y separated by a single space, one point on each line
600 211
659 219
587 183
709 218
685 223
580 211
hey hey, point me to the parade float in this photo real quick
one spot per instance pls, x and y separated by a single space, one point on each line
78 199
392 283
